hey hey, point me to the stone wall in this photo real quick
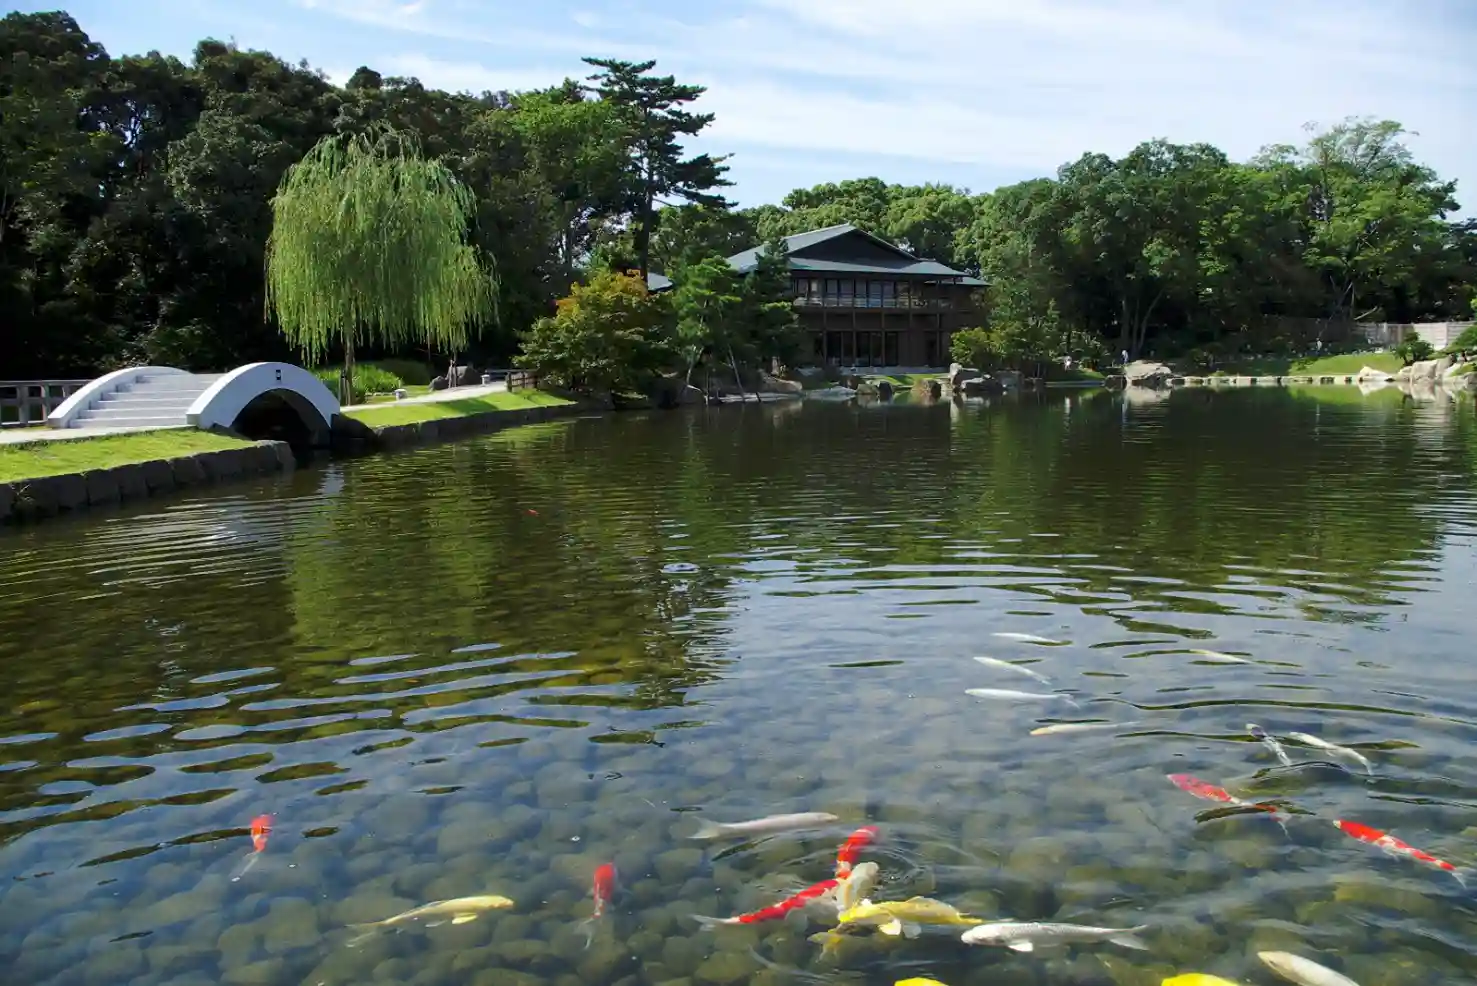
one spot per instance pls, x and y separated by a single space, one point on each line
356 437
32 499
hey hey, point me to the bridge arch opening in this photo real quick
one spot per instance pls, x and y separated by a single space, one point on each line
283 416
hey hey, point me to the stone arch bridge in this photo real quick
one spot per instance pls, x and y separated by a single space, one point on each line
259 400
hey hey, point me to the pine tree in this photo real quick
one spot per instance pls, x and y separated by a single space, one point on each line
651 113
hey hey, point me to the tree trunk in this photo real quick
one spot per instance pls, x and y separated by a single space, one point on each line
346 378
643 234
736 378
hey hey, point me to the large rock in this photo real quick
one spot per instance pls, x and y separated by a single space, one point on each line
928 390
776 385
980 386
958 374
1147 373
1370 373
1429 369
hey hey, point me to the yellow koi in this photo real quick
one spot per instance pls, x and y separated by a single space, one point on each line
905 917
458 911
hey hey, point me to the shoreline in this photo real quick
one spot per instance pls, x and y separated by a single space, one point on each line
39 498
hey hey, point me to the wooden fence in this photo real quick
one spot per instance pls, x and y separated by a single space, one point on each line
25 403
522 380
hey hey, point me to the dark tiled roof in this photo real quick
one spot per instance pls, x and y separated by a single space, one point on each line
906 262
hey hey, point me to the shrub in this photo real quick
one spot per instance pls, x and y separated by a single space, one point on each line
412 372
1413 350
606 336
368 379
1467 341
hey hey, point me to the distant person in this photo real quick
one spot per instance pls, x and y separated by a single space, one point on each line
1124 354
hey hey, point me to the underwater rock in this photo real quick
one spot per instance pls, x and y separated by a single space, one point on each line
267 972
724 968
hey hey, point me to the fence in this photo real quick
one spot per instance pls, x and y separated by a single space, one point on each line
27 402
1438 334
522 380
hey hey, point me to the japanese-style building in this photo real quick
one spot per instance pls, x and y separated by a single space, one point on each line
865 302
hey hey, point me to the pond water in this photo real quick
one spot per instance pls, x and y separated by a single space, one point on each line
490 667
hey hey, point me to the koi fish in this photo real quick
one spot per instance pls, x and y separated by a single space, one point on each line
1196 979
846 856
1209 792
1270 742
261 828
775 911
1306 972
1006 694
1393 846
460 911
904 917
603 889
1307 739
1215 655
763 826
1024 936
995 662
1025 638
856 887
1079 727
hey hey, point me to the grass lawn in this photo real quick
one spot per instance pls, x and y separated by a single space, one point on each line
33 460
410 390
1280 366
401 413
904 381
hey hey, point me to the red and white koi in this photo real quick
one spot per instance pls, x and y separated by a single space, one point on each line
261 828
603 889
775 911
1395 847
846 856
1209 792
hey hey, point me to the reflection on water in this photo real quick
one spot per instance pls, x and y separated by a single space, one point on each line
488 668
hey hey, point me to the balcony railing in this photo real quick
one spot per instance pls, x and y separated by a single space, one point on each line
854 301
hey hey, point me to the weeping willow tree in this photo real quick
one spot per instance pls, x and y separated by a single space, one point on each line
368 246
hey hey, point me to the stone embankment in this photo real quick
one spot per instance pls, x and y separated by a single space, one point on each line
47 496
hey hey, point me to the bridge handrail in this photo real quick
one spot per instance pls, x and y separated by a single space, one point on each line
83 397
33 395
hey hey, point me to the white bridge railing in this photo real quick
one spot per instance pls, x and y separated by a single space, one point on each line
27 402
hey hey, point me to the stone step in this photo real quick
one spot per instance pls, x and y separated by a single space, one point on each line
109 416
181 399
87 420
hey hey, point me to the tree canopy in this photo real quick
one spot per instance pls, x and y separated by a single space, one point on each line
136 208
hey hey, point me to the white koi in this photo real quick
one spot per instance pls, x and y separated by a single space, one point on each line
459 911
1215 655
1025 638
1270 742
1305 972
1307 739
1024 936
1008 695
764 826
1079 727
995 662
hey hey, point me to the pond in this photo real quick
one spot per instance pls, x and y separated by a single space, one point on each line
489 668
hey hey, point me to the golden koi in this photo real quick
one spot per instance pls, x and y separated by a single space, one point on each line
458 911
904 917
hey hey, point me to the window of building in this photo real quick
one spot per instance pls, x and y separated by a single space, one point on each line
890 349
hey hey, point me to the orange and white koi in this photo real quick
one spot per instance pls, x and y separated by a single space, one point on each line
603 889
846 856
1395 847
1209 792
775 911
261 828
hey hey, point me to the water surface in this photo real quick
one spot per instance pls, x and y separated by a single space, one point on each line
490 667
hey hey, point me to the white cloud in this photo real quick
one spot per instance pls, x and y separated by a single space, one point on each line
470 76
1008 86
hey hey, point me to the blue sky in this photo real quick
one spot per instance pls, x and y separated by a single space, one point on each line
978 93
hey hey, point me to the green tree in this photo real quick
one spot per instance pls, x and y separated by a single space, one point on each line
650 111
368 243
608 336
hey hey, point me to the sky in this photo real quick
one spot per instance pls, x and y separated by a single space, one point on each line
974 93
